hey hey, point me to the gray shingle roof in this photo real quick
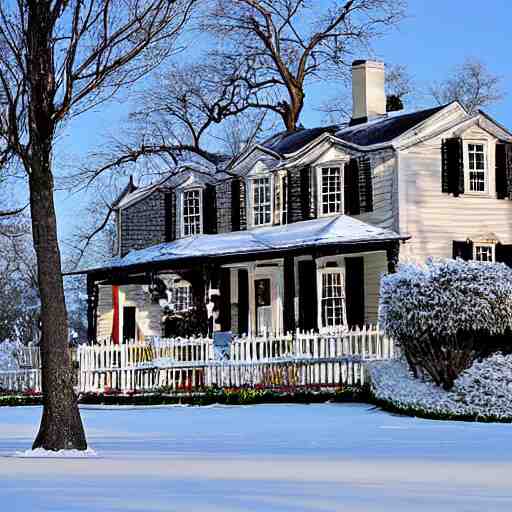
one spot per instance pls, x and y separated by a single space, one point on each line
377 131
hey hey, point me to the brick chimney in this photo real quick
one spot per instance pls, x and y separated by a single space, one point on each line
368 96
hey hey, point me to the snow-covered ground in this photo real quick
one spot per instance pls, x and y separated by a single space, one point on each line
264 457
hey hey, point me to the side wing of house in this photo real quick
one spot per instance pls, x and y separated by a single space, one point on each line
454 195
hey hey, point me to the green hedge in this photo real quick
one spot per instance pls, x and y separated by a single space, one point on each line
226 396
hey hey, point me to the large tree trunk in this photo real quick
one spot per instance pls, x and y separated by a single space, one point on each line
61 425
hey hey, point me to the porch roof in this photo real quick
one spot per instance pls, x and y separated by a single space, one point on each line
341 229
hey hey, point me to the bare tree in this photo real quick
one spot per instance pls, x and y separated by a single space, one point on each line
472 84
180 118
59 58
19 296
273 48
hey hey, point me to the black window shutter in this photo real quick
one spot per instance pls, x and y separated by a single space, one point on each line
170 216
501 172
289 294
225 299
243 301
354 291
209 210
463 250
294 196
351 188
365 184
307 295
504 254
452 167
306 193
504 171
243 205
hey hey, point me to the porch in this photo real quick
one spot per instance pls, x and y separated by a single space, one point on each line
319 275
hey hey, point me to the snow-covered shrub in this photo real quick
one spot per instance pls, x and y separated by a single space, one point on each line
9 355
483 391
447 313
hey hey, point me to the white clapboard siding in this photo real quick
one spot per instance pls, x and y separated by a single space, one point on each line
385 191
375 265
105 311
434 219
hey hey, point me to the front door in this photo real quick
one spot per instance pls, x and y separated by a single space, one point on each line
263 303
129 323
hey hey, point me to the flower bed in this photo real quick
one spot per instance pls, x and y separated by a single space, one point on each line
228 396
481 393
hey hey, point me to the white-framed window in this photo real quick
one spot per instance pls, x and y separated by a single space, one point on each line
476 167
331 187
332 298
192 212
182 298
261 201
484 252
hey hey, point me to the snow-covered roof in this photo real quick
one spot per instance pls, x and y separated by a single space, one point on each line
174 178
341 229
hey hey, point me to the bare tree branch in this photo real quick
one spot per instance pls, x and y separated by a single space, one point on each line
471 84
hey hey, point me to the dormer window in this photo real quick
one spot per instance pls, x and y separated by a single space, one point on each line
262 201
192 212
330 192
476 167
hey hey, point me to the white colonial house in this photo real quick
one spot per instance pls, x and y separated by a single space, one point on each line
297 231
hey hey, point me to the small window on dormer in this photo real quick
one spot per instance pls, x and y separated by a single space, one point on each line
331 187
192 212
262 201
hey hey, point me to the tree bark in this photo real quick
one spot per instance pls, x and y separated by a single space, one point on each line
61 426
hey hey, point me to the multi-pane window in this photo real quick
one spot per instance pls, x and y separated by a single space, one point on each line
192 212
262 201
331 190
333 299
484 252
182 298
476 167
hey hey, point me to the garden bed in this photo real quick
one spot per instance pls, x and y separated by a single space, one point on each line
482 393
228 396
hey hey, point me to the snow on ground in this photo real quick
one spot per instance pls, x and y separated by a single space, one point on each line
485 389
264 457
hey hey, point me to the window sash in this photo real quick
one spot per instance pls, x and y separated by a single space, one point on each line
484 252
262 201
331 190
333 299
476 168
192 212
182 298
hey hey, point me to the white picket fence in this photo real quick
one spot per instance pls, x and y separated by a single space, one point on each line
301 359
298 359
21 380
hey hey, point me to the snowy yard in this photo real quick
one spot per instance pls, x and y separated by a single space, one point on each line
264 457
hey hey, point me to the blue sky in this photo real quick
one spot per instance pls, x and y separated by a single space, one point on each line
436 36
